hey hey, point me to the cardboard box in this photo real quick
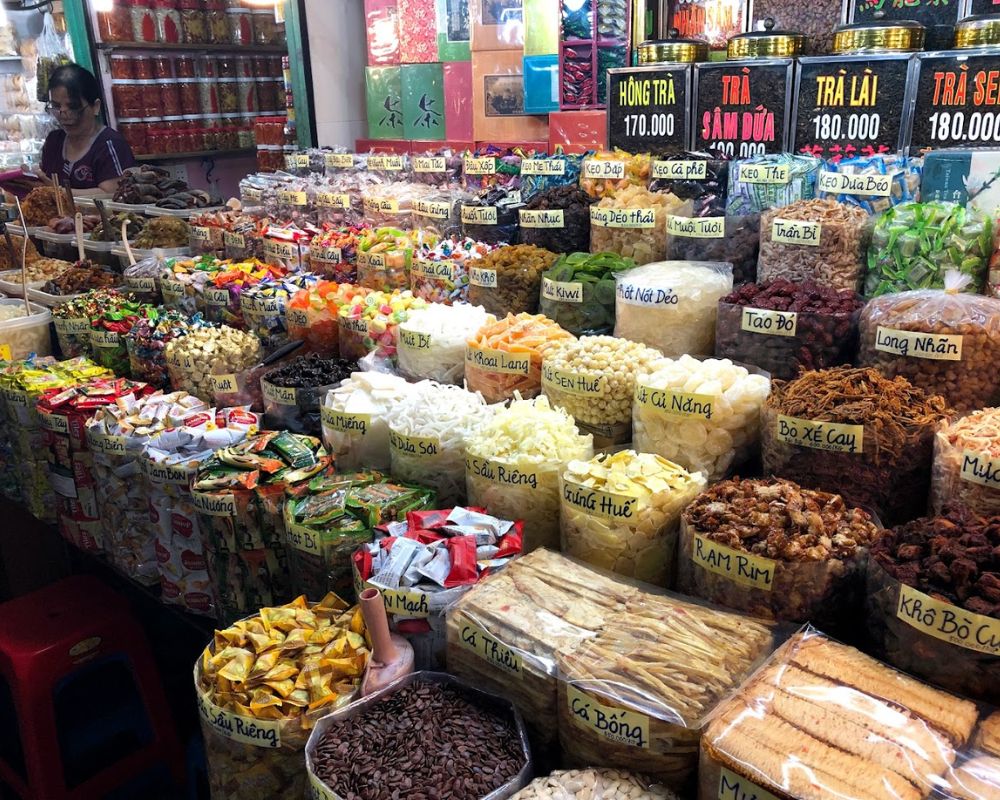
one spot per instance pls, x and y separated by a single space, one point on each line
384 101
498 99
423 101
417 31
497 24
541 27
395 146
382 30
578 131
541 84
453 30
458 101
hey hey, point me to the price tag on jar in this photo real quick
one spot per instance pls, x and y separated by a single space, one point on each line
549 218
696 227
768 322
297 317
957 101
648 108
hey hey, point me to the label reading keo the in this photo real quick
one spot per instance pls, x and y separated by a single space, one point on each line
771 323
932 346
482 277
345 422
776 174
572 382
280 395
793 231
414 445
615 724
980 469
554 218
818 435
474 638
623 218
697 227
414 340
608 505
753 572
736 787
254 732
562 291
862 185
947 622
501 474
543 166
479 215
498 361
601 168
679 170
425 164
675 404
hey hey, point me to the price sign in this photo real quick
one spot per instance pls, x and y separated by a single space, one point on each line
741 108
958 101
850 105
648 108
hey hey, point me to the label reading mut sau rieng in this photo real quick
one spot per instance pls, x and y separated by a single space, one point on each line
414 445
214 505
634 295
819 435
947 622
479 215
472 637
768 322
863 185
604 168
547 218
502 474
697 227
615 724
573 382
679 170
793 231
736 787
932 346
482 277
498 361
254 732
980 469
675 404
280 395
562 291
543 166
748 570
608 505
345 422
623 218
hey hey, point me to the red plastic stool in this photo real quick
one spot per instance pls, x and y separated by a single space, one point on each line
72 653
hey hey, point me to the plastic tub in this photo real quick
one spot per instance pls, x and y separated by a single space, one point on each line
160 253
58 245
50 300
22 336
10 283
100 252
181 213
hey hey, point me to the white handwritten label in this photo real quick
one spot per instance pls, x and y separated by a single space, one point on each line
372 260
426 446
344 422
543 166
479 215
482 277
613 723
55 423
359 325
214 505
498 361
297 318
424 164
562 291
753 572
736 787
223 384
304 539
913 344
472 637
381 205
576 383
406 603
385 163
292 198
861 185
339 160
327 253
697 227
676 404
252 195
485 165
201 234
432 209
234 240
500 473
414 340
818 435
980 469
106 443
286 251
948 622
604 168
633 295
768 322
777 174
73 326
679 170
245 730
597 502
793 231
623 217
279 395
554 218
136 283
216 297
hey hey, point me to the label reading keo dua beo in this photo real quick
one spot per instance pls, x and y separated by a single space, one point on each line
818 435
980 469
344 422
548 218
772 174
736 787
414 340
753 572
472 637
623 217
572 382
679 170
697 227
768 322
543 166
479 215
608 505
562 291
279 395
414 445
604 168
862 185
947 622
675 404
501 474
482 277
793 231
254 732
932 346
615 724
498 361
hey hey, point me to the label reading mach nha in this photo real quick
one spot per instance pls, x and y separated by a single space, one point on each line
862 185
615 724
768 322
754 572
675 404
503 474
793 231
697 227
479 215
604 168
344 422
736 787
562 291
548 218
819 435
472 637
679 170
947 622
932 346
623 217
543 166
498 361
608 505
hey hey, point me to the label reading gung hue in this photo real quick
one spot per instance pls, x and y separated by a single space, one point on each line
793 231
597 502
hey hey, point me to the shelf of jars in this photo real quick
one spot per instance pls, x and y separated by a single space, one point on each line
192 48
193 154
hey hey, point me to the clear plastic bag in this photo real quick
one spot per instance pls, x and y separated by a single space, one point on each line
492 217
966 458
717 238
771 181
354 419
432 342
633 224
440 213
507 280
874 183
557 219
701 177
606 173
539 173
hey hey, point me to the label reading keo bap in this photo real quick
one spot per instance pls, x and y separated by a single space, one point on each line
573 382
608 505
345 422
223 384
947 622
753 572
736 787
697 227
793 231
549 218
771 323
501 474
562 291
675 404
604 168
472 637
774 174
254 732
633 295
931 346
862 185
482 277
424 164
615 724
818 435
485 165
543 166
479 215
980 469
279 395
623 217
414 445
498 361
414 340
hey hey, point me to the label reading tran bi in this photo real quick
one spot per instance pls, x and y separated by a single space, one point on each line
254 732
679 170
697 227
474 638
543 166
932 346
482 277
736 787
562 291
615 724
279 395
771 323
675 404
818 435
345 422
778 174
548 218
623 218
498 361
479 215
608 505
947 622
748 570
980 469
862 185
793 231
602 168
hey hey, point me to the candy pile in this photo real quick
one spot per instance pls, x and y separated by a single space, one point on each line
207 360
440 273
147 344
264 305
369 323
293 392
312 315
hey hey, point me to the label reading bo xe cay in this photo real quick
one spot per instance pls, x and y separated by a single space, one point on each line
608 505
932 346
819 435
472 637
768 322
498 361
675 404
615 724
697 227
947 622
793 231
344 422
623 217
754 572
547 218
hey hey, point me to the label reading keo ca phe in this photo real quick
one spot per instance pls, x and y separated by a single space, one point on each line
931 346
254 732
608 505
548 218
501 474
675 404
679 170
472 637
768 322
819 435
862 185
753 572
279 395
482 277
615 724
562 291
543 166
576 383
736 787
640 218
344 422
793 231
696 227
479 215
414 445
498 361
947 622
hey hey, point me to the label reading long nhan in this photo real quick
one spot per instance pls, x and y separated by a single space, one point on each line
947 622
819 435
748 570
254 732
615 724
474 638
932 346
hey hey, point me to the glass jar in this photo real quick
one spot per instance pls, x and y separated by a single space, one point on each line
190 96
143 68
244 67
246 137
247 88
122 66
143 21
127 97
194 24
151 99
264 27
156 140
229 96
115 25
163 67
209 139
184 67
190 140
134 131
226 66
168 22
170 98
218 22
208 95
240 22
261 66
208 67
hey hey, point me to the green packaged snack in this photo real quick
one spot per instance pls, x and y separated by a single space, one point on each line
385 502
578 291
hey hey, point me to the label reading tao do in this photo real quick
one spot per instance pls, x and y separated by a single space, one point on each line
768 322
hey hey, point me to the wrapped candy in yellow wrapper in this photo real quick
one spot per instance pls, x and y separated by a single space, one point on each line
262 684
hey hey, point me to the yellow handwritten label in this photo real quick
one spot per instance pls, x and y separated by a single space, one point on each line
414 445
861 185
304 539
100 338
385 163
543 166
482 277
753 572
55 423
359 325
980 469
472 637
201 234
235 240
372 260
777 174
251 195
214 505
344 422
597 502
736 787
554 218
501 473
173 474
794 231
319 790
333 200
279 395
623 217
913 344
616 724
414 340
106 443
262 306
768 322
485 165
562 291
332 255
479 215
339 160
575 383
433 209
292 198
604 168
136 283
679 170
675 404
818 435
223 384
72 326
381 205
286 251
216 297
948 623
406 603
442 270
498 361
429 164
297 317
245 730
697 227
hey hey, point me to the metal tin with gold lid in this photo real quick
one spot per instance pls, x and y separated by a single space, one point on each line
979 31
880 36
767 43
673 51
